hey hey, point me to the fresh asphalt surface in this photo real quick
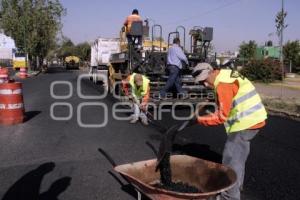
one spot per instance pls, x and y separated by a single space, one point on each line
49 159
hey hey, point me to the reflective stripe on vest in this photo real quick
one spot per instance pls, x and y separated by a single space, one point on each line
143 90
243 98
246 113
247 109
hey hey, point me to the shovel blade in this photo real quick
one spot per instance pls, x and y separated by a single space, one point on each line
166 143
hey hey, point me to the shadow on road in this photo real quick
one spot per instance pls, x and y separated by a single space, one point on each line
28 186
56 189
31 114
57 69
198 150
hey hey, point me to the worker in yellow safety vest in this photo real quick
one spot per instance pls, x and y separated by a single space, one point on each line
139 95
240 109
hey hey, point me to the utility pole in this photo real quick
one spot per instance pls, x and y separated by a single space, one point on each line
281 36
280 20
281 26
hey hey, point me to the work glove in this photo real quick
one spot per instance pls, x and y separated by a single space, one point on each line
133 99
130 98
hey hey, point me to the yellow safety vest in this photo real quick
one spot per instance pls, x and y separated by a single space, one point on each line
247 109
142 91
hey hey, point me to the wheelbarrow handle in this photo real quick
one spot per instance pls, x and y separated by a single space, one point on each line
150 145
108 157
113 163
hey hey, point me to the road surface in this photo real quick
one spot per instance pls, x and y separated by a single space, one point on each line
58 159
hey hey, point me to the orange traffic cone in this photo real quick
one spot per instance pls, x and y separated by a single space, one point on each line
23 72
3 75
11 103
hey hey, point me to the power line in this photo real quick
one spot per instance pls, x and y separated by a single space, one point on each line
204 13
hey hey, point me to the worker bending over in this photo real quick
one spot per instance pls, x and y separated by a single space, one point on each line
240 109
139 96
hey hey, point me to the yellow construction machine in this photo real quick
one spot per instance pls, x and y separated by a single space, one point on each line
72 62
148 56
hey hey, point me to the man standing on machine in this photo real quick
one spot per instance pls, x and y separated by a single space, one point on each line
134 17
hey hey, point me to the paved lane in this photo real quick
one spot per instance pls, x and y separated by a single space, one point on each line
59 158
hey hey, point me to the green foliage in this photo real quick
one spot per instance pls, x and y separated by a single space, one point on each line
280 21
247 50
83 51
267 70
67 48
291 52
297 64
33 24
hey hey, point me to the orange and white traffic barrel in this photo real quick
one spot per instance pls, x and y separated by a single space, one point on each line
11 103
23 72
3 75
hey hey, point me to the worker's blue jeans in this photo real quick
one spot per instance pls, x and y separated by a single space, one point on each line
174 79
235 154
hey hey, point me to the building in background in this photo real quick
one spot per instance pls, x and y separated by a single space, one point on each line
267 51
7 48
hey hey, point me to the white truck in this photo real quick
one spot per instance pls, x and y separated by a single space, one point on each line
101 50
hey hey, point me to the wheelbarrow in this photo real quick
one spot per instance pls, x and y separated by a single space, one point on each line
208 177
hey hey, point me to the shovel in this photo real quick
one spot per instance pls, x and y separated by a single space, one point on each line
161 128
166 144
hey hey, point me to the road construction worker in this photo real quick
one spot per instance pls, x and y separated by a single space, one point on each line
175 58
139 96
134 17
240 109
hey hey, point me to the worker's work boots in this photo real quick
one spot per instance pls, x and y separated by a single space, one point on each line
145 121
133 120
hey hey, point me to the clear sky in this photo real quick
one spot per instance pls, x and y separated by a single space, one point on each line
233 21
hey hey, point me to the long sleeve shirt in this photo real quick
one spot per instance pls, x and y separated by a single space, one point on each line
225 94
176 56
129 91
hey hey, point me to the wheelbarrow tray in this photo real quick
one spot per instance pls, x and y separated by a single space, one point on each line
209 177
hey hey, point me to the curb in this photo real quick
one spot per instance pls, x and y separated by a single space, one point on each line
37 73
293 87
16 75
281 113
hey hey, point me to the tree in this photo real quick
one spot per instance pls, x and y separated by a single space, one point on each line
291 52
247 50
66 48
83 51
267 70
280 22
33 24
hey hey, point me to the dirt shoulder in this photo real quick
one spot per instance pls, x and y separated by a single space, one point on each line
281 99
